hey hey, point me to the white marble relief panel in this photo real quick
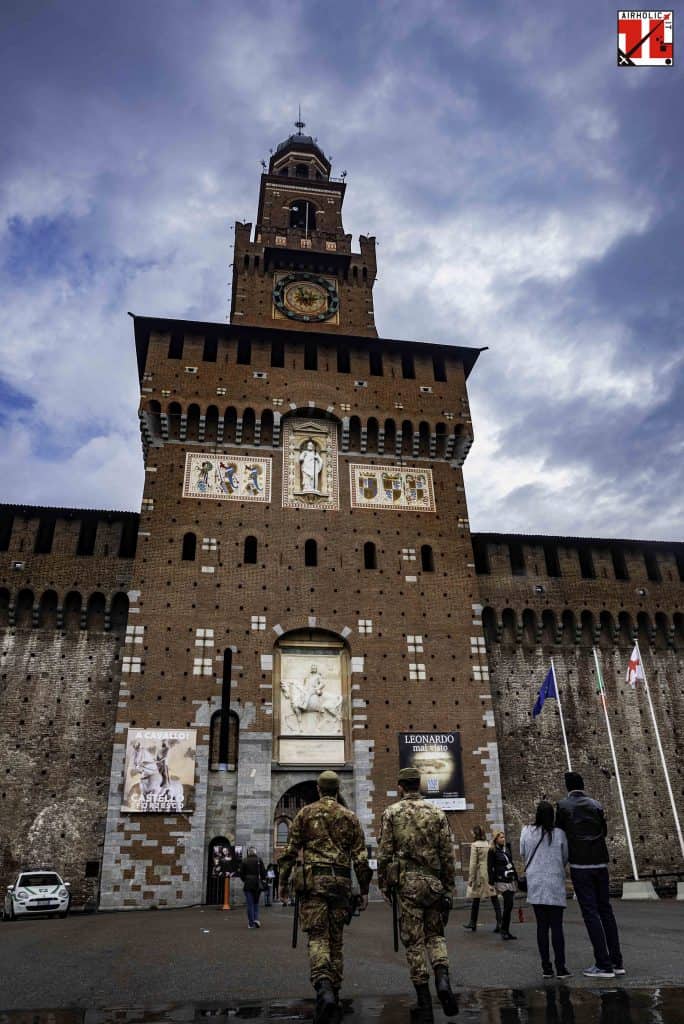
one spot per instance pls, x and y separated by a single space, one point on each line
406 489
310 477
227 477
311 707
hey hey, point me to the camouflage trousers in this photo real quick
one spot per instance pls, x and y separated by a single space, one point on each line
324 925
422 932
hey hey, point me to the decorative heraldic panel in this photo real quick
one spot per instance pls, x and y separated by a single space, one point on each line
159 774
310 464
227 477
408 489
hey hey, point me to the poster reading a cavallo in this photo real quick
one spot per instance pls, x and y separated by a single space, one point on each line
437 756
159 774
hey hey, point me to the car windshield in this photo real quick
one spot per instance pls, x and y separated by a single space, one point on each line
40 878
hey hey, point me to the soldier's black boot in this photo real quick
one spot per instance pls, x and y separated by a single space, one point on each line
327 1009
422 1013
444 993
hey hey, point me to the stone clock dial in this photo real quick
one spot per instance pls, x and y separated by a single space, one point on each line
306 297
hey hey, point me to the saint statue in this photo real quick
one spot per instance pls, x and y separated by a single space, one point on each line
311 464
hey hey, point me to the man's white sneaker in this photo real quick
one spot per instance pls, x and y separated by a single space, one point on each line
598 972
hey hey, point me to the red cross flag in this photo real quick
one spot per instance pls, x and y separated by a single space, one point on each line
635 671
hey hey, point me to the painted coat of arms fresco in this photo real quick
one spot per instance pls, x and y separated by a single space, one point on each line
406 489
227 477
310 464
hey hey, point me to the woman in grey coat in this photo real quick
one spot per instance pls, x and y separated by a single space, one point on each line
544 852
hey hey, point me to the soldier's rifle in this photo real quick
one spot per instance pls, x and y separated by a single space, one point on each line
295 921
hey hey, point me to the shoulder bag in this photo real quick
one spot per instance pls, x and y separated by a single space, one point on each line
522 880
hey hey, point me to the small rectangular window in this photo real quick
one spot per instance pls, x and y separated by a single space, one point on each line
586 562
408 370
6 524
375 363
517 557
210 350
439 367
481 557
45 535
310 355
92 869
343 360
652 567
129 538
619 564
278 352
244 352
176 346
86 537
551 559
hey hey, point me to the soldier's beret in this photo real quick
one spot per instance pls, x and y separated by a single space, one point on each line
328 782
408 775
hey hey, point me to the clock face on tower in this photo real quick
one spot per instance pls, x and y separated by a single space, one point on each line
306 297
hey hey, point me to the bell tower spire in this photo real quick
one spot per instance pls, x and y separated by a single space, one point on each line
295 268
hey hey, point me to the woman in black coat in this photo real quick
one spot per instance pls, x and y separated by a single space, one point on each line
253 875
502 875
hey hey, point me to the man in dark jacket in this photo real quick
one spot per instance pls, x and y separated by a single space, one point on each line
584 822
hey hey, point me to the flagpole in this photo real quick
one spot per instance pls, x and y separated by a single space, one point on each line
662 754
602 693
560 711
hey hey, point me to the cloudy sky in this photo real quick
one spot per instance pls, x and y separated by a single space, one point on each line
525 192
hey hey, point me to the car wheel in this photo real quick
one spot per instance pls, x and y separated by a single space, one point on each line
9 915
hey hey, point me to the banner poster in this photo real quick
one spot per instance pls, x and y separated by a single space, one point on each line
437 756
159 771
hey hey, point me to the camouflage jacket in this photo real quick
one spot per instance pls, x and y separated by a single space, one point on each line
327 834
417 834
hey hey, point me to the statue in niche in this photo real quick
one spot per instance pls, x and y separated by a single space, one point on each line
308 696
311 467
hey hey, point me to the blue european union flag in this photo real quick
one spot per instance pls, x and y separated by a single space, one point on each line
548 689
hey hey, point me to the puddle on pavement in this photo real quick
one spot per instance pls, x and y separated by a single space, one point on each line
555 1004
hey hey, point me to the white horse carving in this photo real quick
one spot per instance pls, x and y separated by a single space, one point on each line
154 791
309 696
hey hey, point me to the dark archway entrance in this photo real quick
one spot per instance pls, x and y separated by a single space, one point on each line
221 861
290 802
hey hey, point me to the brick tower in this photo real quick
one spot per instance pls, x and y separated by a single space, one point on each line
303 593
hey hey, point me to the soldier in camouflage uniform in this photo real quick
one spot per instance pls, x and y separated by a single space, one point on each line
330 839
416 864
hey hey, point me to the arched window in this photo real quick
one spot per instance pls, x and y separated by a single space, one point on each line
47 610
587 622
24 611
529 627
355 433
548 627
607 629
189 547
427 559
441 431
424 438
193 422
310 553
216 761
568 626
303 215
370 558
248 423
95 613
406 437
154 417
174 413
372 434
267 427
230 425
72 611
249 556
390 435
626 635
489 626
509 630
118 613
662 632
282 832
211 425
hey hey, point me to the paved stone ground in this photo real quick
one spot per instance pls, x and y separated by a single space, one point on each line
209 957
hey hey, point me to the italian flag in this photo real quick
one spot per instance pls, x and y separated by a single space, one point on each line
635 671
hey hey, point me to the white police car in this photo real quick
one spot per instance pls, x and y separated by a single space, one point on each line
36 892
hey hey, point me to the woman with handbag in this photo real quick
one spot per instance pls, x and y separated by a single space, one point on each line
253 875
502 876
544 851
478 881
